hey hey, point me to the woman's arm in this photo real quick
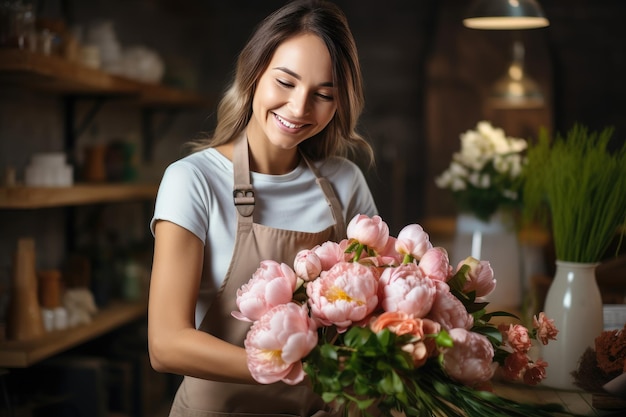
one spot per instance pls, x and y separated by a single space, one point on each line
174 344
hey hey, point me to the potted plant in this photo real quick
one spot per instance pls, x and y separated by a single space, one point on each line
579 184
485 179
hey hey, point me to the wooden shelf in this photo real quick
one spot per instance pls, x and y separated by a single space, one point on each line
81 194
22 354
57 75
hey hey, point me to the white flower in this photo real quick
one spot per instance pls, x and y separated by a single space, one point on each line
487 159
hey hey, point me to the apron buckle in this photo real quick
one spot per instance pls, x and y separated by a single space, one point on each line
243 196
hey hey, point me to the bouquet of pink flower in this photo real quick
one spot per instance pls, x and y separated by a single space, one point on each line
385 323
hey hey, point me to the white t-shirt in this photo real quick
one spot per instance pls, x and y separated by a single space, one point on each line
196 193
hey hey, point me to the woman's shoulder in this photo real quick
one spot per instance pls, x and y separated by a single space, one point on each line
207 161
339 167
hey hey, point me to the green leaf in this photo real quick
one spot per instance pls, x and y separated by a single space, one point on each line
443 339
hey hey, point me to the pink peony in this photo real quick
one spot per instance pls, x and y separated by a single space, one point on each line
470 360
447 310
276 343
331 253
344 295
406 289
435 264
413 240
480 277
546 330
307 265
389 255
372 232
271 284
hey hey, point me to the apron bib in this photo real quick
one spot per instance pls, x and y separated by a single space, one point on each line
253 244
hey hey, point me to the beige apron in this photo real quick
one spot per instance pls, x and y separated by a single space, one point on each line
254 243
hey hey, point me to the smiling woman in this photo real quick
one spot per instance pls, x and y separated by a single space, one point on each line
272 179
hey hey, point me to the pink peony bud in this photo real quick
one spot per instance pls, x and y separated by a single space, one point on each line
413 240
276 343
372 232
405 288
435 264
307 265
271 284
331 253
480 277
343 295
470 360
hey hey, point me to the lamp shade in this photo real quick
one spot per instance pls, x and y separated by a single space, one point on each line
505 15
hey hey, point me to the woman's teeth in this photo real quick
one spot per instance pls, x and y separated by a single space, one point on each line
287 124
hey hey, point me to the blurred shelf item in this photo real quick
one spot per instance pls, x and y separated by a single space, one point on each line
22 354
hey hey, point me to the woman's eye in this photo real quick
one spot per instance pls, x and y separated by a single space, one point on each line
284 83
325 97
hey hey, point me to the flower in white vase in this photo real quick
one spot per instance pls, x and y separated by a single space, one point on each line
485 175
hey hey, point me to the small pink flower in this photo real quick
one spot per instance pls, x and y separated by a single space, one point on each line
372 232
514 364
276 343
546 330
343 295
470 360
447 310
271 284
331 253
435 264
399 323
535 373
307 265
402 323
517 337
413 240
480 277
405 288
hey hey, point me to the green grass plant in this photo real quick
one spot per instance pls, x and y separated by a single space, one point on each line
579 186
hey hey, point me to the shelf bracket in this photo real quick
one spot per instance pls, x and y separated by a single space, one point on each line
150 132
74 130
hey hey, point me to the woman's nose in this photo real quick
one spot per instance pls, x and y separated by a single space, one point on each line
299 103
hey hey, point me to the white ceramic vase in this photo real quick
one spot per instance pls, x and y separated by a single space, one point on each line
495 241
574 303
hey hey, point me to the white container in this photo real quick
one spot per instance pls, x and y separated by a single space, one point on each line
49 170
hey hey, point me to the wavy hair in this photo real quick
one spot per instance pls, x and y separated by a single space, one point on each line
328 22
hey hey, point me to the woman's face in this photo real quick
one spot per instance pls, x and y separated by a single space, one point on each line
295 96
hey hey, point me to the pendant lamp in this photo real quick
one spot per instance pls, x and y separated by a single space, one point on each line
505 15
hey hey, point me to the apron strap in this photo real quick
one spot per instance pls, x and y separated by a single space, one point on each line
243 194
331 198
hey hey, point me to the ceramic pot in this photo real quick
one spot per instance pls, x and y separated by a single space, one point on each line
574 303
495 241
